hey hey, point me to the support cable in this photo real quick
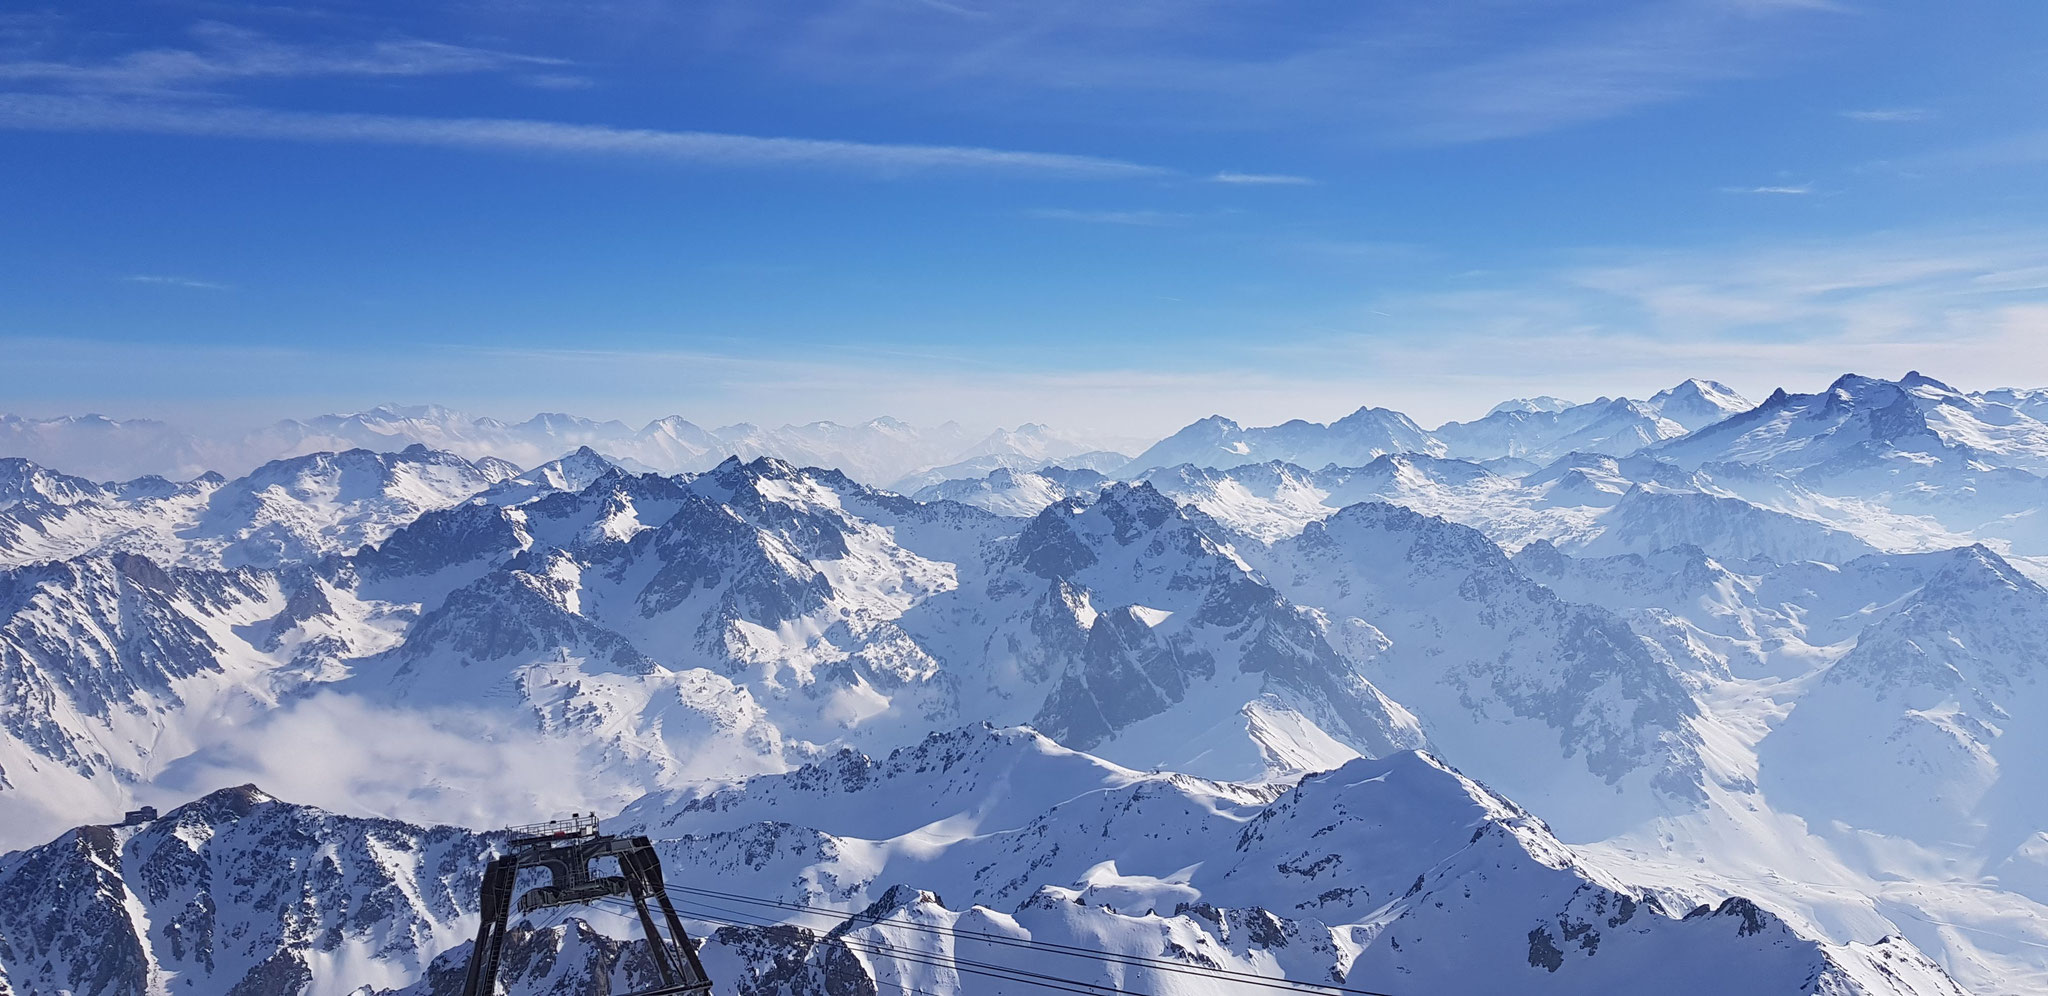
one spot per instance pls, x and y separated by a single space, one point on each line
1049 947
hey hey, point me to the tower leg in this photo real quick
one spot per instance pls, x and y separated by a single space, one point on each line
482 979
657 945
647 865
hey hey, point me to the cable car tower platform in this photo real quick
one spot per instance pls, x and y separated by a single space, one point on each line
567 849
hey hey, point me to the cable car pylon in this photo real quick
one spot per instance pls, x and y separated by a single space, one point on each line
567 849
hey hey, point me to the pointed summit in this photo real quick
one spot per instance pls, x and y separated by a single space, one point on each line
1352 441
1696 404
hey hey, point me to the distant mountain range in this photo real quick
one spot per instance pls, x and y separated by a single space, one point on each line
881 451
1681 692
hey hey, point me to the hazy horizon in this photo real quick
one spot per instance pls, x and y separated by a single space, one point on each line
1265 410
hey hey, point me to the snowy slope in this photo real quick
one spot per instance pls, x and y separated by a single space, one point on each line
1014 492
1554 701
878 451
1696 404
1540 403
1791 655
1615 426
1545 429
1913 449
1931 728
287 511
22 480
1647 519
1037 845
842 613
1350 441
1584 502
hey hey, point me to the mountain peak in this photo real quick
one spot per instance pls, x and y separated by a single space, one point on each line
235 801
1695 404
1851 384
1539 403
1916 379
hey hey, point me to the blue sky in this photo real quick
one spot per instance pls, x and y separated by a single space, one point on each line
1118 216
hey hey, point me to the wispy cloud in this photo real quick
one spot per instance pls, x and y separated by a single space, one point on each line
225 52
45 112
1890 115
1111 217
1594 70
166 281
558 81
1780 189
1427 73
1970 308
1257 179
2027 148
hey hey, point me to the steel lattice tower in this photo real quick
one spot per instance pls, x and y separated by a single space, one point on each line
566 848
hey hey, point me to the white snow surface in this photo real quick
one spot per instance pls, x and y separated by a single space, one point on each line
1771 677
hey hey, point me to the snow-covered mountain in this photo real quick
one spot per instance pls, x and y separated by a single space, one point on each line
1385 874
1860 424
1615 426
1545 429
22 480
1506 675
1968 465
1350 441
1090 461
103 448
1586 503
880 451
286 511
1930 729
1016 492
1696 404
1539 403
1788 655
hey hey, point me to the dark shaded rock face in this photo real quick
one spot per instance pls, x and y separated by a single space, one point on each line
240 893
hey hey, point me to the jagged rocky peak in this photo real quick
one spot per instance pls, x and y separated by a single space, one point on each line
1500 669
1860 423
1424 542
734 477
1852 392
575 470
236 892
1237 614
22 480
1073 535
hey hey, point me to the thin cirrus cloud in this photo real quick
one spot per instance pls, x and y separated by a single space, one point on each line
1141 218
1889 115
188 283
150 91
1426 74
226 53
74 113
1261 179
1779 190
